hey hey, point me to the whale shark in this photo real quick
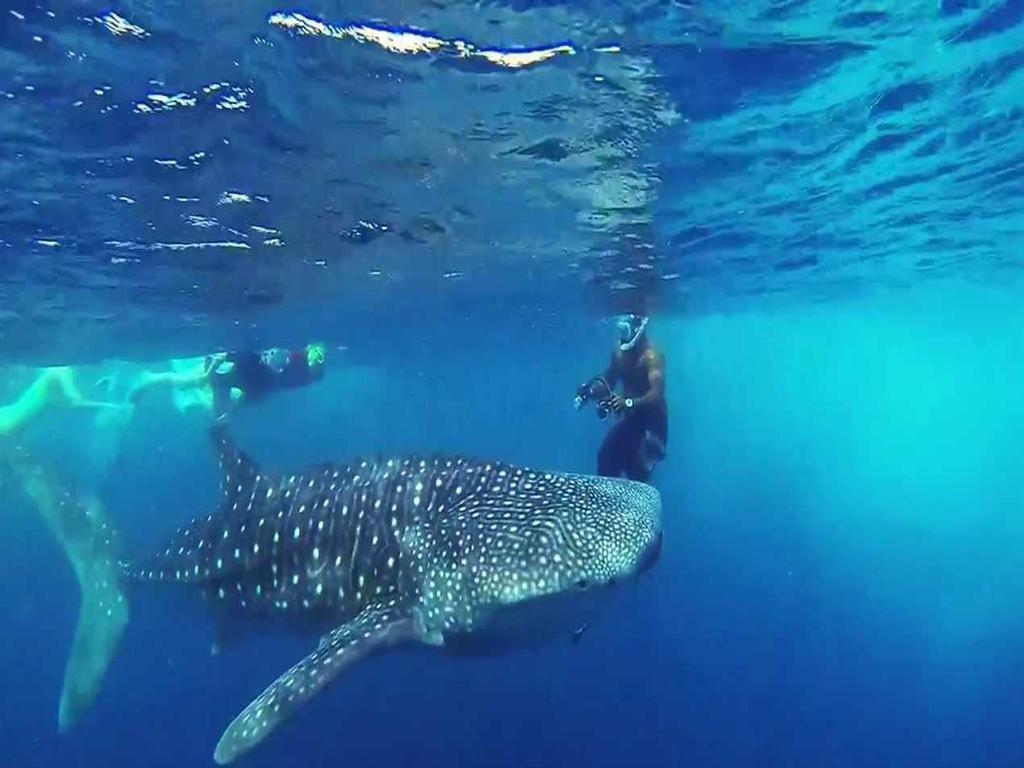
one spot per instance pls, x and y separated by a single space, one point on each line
466 556
78 522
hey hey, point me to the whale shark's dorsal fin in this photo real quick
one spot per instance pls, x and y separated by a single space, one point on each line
192 551
375 629
238 471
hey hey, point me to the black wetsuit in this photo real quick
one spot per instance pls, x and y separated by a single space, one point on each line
640 437
251 374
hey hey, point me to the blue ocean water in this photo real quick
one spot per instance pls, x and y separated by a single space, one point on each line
818 203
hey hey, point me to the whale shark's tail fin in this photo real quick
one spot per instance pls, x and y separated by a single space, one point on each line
102 614
78 522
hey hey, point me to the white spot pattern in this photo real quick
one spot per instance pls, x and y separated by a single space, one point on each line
446 538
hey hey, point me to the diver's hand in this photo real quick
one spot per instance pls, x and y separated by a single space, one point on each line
619 404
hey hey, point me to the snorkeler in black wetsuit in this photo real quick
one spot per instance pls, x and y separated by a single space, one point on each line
233 378
254 375
639 440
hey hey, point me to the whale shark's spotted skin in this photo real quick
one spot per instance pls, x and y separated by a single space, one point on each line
391 551
79 523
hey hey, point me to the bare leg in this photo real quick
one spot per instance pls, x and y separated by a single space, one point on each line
54 386
62 384
31 403
149 380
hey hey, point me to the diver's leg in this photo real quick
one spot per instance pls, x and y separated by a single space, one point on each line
658 428
31 403
53 385
150 380
196 377
614 455
147 381
639 469
606 455
646 457
62 381
635 460
654 446
23 410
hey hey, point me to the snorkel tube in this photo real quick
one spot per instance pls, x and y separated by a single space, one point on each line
631 328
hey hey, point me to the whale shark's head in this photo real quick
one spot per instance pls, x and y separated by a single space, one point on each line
576 532
608 530
540 558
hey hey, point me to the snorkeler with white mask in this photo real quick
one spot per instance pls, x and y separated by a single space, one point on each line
639 438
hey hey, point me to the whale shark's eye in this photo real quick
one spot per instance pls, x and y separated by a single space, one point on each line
582 584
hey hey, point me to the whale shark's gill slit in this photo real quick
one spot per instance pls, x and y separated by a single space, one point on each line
375 629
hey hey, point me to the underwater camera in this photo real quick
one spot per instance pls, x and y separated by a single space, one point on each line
598 391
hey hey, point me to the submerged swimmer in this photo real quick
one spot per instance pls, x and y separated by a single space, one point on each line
54 386
228 379
639 439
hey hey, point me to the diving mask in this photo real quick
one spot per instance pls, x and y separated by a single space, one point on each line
630 328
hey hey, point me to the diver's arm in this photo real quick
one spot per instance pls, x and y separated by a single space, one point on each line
656 376
655 365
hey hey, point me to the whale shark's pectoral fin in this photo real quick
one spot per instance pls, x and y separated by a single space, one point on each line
375 629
